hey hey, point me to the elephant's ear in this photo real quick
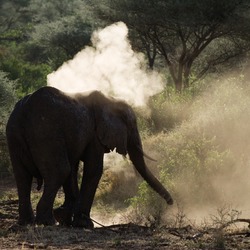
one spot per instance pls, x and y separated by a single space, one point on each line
111 129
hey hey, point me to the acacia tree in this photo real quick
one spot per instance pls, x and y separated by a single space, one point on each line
181 31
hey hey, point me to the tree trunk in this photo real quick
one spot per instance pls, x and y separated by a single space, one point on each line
186 73
178 86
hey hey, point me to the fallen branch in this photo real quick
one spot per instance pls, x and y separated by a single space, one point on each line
33 245
234 221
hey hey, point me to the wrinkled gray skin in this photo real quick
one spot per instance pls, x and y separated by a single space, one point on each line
49 132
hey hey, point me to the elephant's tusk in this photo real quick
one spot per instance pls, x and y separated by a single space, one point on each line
148 157
145 155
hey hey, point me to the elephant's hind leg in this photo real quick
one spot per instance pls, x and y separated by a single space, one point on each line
44 213
24 182
21 164
53 180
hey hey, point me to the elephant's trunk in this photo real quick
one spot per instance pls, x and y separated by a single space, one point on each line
136 156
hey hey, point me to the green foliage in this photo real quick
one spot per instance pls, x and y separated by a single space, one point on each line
61 29
52 10
38 36
204 160
30 76
186 39
187 166
62 39
180 34
7 96
190 164
7 100
143 210
12 15
169 109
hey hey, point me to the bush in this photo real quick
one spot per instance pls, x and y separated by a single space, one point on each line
169 109
188 166
203 160
7 100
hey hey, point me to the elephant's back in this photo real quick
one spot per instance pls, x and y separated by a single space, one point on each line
49 95
50 113
16 117
50 102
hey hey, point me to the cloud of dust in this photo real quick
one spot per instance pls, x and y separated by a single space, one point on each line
111 66
217 136
225 115
205 160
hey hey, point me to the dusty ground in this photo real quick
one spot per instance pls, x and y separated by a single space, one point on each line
120 236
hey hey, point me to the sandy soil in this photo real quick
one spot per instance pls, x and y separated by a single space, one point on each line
118 236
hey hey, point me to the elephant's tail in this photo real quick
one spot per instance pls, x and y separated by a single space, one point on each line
39 183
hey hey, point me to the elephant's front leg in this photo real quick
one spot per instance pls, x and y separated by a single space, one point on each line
93 168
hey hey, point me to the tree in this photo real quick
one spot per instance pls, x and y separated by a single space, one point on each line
61 27
13 19
7 96
7 100
15 28
62 39
36 37
181 31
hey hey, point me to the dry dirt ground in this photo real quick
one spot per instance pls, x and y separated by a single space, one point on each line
122 236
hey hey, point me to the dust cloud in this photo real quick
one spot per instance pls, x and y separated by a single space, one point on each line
225 116
212 151
111 66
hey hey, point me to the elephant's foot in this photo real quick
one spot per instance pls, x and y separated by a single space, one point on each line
26 218
63 215
23 221
83 222
45 220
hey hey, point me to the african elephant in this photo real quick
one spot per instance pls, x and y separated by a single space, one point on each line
49 132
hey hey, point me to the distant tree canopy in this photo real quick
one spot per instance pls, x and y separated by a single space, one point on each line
191 37
61 28
186 38
7 101
36 37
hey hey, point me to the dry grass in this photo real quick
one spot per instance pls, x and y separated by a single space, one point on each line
181 234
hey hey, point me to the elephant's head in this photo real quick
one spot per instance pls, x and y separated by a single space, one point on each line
116 127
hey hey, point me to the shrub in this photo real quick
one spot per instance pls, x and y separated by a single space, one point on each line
188 166
7 100
169 109
204 160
